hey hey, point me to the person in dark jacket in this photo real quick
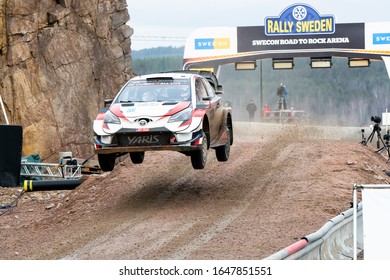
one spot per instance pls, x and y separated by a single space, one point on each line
282 93
251 108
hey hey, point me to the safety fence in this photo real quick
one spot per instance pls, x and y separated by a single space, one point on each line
333 241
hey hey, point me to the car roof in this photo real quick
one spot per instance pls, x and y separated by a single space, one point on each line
184 74
174 75
209 75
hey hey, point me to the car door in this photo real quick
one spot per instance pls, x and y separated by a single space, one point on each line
215 112
203 102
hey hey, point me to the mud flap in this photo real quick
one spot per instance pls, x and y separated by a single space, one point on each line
223 129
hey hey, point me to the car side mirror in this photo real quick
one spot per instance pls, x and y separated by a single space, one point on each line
204 104
103 109
107 102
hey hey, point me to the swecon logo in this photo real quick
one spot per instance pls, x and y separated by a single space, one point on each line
381 38
212 43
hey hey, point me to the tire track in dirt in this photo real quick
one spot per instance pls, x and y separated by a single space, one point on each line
268 192
133 215
141 229
252 178
131 223
249 187
148 226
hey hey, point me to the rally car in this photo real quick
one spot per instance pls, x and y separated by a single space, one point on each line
180 111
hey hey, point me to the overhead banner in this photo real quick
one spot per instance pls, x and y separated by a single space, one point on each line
376 226
254 38
300 27
299 30
299 19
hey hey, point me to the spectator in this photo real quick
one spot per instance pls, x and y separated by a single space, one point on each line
267 111
282 93
282 90
251 108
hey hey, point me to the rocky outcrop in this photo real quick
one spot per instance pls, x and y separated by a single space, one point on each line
58 61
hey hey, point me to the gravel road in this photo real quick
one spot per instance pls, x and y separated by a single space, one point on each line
281 183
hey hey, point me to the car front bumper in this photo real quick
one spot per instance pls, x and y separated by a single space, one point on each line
172 144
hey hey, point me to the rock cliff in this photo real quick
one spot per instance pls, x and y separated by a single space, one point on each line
58 61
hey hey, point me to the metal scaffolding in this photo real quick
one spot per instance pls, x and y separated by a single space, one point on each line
50 170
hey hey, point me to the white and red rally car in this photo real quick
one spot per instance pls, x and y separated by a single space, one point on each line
180 111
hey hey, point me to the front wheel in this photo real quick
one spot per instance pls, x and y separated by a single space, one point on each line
199 157
106 161
137 157
223 152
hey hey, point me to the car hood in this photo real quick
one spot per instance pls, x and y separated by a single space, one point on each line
145 116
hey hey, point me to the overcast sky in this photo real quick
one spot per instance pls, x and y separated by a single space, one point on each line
170 22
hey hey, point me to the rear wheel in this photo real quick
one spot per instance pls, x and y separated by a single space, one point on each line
230 127
137 157
199 157
223 152
106 161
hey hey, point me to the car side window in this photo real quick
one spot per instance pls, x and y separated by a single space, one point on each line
200 90
210 89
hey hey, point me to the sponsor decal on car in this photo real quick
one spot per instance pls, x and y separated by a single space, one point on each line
143 129
143 140
131 110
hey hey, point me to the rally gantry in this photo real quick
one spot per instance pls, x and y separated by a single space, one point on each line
299 31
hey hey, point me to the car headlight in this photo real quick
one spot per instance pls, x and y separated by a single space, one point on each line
109 117
181 116
106 139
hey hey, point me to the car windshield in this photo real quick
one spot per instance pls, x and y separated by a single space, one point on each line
155 90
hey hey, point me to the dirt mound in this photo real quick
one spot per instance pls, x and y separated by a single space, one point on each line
276 188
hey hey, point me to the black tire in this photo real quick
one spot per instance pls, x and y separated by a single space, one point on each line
199 157
106 162
137 157
223 152
230 127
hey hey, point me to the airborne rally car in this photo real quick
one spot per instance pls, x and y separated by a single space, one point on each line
179 111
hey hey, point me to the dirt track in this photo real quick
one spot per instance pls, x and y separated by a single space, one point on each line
277 187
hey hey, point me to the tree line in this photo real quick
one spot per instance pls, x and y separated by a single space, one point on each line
158 59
